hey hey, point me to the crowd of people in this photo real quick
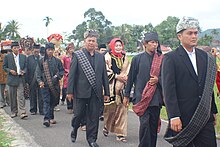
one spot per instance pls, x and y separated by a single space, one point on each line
96 83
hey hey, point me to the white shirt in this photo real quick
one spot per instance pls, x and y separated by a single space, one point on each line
192 57
16 58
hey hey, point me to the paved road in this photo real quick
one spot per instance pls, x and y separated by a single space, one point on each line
58 135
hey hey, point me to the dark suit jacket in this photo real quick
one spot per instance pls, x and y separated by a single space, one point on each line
9 64
78 84
182 88
31 68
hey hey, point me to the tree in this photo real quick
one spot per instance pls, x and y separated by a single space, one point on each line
1 32
41 41
206 40
214 33
48 21
167 31
149 28
11 30
94 20
77 34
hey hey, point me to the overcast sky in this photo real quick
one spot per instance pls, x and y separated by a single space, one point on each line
67 14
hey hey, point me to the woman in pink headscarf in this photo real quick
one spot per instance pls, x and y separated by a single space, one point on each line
115 113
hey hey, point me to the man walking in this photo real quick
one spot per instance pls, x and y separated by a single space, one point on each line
87 78
188 76
48 74
144 75
15 66
35 95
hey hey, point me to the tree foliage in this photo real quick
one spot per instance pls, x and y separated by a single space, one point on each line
11 31
48 20
167 31
131 35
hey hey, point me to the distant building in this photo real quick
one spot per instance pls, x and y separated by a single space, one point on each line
205 48
165 49
216 43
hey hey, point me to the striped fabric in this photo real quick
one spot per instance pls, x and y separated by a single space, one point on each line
149 90
87 69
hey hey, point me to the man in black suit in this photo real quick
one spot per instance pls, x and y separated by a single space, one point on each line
15 66
184 80
86 88
35 95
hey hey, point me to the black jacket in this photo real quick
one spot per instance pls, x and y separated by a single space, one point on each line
182 88
78 84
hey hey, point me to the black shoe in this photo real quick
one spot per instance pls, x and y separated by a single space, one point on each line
41 113
2 106
46 123
23 115
94 144
101 118
33 113
14 115
73 135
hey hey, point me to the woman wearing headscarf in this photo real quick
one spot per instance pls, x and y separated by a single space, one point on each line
115 113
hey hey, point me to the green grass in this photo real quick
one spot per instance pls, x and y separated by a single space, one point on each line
5 140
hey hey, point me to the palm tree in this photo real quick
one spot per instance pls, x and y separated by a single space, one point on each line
11 30
48 20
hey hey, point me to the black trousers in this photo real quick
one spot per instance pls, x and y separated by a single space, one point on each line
148 127
206 138
91 106
69 103
101 107
36 99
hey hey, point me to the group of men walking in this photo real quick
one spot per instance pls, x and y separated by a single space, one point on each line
182 80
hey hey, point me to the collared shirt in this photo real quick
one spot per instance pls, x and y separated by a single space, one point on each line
192 57
16 58
91 58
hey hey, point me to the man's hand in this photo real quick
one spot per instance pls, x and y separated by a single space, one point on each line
126 101
13 72
106 98
22 72
121 78
41 84
69 97
153 80
215 117
176 124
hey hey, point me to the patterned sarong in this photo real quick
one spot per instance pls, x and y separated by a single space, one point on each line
49 80
149 90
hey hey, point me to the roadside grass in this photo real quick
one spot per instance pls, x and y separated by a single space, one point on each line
5 140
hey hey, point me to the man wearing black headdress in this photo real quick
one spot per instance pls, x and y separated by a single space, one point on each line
48 74
35 95
145 75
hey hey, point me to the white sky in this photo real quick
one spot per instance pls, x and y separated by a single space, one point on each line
67 14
